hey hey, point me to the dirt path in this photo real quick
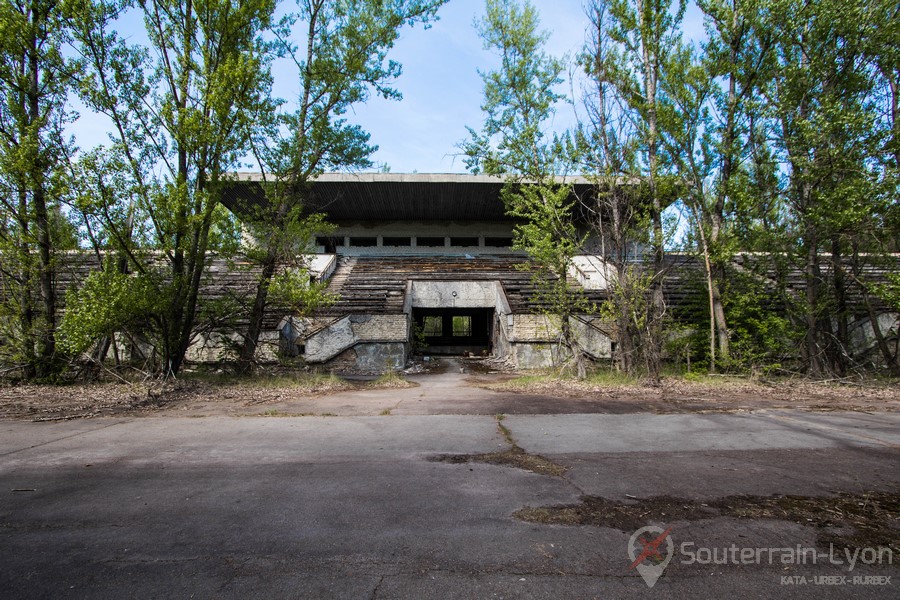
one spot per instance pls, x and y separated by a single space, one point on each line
446 386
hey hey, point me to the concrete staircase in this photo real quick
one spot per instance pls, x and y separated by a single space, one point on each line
341 274
377 285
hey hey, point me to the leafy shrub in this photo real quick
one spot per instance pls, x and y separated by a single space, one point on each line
106 303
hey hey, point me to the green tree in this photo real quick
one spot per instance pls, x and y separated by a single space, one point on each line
520 97
184 111
819 94
35 77
643 35
707 135
607 148
344 61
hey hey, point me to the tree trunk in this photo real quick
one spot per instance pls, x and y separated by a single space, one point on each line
657 302
257 312
722 335
811 272
717 216
47 336
570 341
841 342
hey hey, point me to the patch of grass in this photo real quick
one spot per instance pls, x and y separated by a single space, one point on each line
390 379
522 382
278 413
537 379
385 413
305 381
704 378
611 378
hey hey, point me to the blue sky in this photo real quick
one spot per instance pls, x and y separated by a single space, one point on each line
442 89
440 85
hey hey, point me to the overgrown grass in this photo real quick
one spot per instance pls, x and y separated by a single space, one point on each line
310 381
300 380
526 380
610 378
391 379
599 377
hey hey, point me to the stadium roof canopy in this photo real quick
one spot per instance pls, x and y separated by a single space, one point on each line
394 196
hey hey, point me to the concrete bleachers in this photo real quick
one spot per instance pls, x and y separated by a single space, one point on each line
377 284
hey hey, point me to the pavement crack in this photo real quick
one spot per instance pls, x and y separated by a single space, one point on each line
513 456
374 594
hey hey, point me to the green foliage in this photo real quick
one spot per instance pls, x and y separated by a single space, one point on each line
546 231
889 292
519 97
184 110
343 61
107 303
759 334
548 235
611 378
36 76
420 340
519 100
292 289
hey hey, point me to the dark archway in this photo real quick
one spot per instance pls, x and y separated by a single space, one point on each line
454 331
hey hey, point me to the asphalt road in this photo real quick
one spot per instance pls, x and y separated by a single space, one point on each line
353 507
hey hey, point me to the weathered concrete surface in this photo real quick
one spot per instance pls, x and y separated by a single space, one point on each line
352 507
454 294
387 331
694 433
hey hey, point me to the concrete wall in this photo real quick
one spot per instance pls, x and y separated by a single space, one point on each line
321 266
592 272
453 294
352 330
214 347
594 336
532 328
862 336
534 355
533 340
371 357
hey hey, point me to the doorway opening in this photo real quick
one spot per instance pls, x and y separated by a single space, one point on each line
454 331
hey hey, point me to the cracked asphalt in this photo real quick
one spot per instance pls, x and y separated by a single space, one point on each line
352 507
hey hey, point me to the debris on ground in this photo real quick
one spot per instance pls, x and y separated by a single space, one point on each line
852 520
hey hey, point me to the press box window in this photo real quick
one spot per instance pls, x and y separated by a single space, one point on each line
329 243
363 242
464 241
498 242
430 242
396 241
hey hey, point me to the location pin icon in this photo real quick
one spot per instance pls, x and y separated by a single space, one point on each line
650 549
